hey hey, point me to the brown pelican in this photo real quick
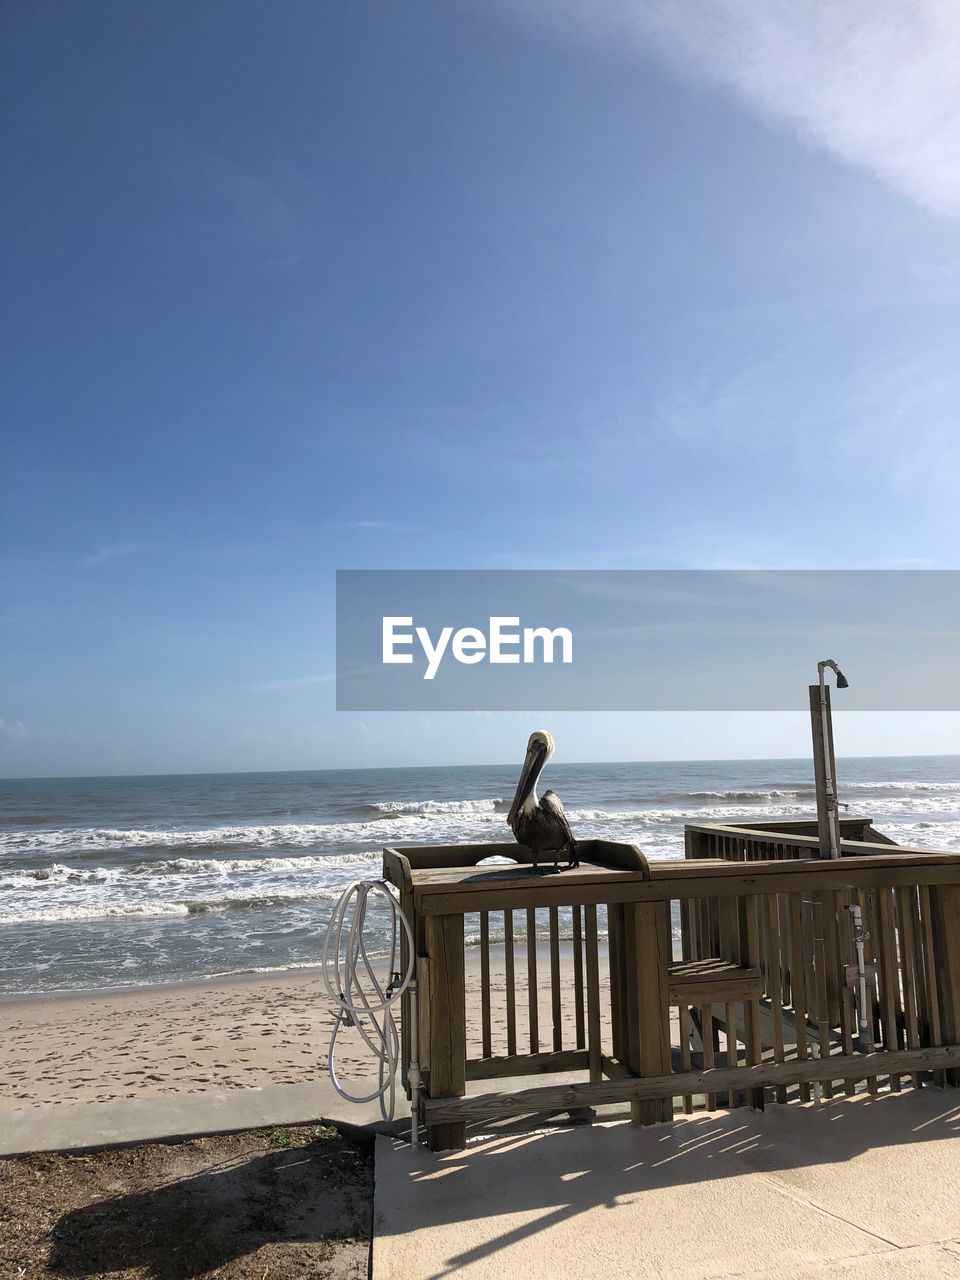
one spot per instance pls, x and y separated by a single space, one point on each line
541 825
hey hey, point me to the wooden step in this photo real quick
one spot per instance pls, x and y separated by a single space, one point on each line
713 980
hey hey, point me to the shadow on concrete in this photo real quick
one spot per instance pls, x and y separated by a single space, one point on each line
196 1224
563 1174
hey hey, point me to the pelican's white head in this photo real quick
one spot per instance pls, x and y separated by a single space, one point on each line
539 751
541 739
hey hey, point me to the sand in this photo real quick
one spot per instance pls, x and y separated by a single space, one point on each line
262 1205
158 1040
232 1033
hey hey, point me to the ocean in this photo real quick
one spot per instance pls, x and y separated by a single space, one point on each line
108 882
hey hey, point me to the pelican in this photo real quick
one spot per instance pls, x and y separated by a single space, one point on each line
541 825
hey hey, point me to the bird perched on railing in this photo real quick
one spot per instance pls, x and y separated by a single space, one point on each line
541 825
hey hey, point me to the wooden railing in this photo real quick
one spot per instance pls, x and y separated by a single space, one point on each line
781 838
758 962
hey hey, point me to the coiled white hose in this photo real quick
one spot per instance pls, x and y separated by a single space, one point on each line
353 983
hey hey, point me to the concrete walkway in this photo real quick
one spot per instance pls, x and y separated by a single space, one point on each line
73 1126
79 1125
851 1190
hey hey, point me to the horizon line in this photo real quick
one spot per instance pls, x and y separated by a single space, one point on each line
509 764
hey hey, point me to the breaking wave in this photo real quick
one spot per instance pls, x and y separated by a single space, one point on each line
405 823
751 797
144 910
424 808
108 838
60 873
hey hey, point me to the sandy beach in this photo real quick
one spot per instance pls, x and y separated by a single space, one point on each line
230 1033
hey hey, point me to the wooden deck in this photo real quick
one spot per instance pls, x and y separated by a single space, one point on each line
749 940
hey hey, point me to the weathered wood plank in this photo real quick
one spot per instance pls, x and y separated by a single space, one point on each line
822 985
556 1005
733 1048
740 985
868 1035
809 844
485 983
578 993
640 1089
406 1004
685 1033
908 983
946 914
593 991
844 954
798 984
708 1035
774 980
533 987
424 988
750 956
510 985
524 1064
647 957
615 960
933 1031
448 1024
720 881
888 974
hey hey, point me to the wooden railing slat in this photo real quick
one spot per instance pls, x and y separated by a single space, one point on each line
907 951
798 984
774 981
533 987
556 1003
888 977
510 985
593 991
486 1037
578 994
934 1034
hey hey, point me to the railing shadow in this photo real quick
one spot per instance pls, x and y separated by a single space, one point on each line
560 1175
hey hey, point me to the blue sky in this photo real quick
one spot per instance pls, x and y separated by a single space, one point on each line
298 287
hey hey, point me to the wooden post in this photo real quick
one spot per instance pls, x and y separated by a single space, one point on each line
406 906
945 904
822 752
448 1023
828 828
750 956
646 954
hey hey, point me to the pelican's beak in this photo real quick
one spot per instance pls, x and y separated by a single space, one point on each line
532 765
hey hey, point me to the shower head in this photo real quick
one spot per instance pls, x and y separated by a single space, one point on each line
842 681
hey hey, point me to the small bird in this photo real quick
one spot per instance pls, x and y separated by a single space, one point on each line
541 825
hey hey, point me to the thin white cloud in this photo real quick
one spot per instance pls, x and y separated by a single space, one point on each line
295 682
12 729
110 551
873 82
301 682
374 524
